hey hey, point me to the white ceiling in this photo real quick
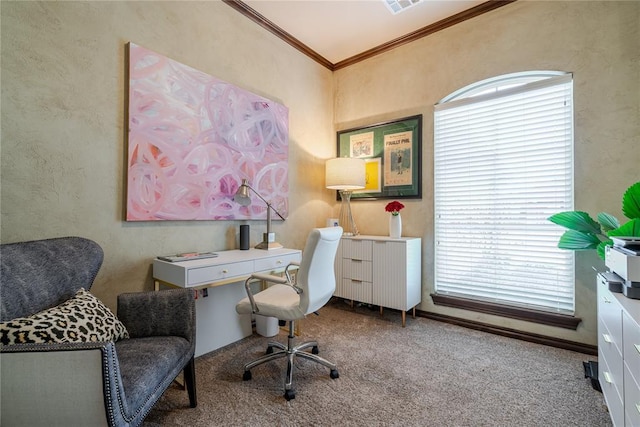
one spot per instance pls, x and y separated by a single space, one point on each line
341 29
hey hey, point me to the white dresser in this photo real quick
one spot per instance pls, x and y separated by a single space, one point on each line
619 354
381 271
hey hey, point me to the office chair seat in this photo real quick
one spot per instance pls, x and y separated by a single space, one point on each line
290 298
281 301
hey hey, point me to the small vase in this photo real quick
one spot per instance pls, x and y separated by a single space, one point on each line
395 226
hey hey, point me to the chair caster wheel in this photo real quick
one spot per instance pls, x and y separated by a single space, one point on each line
315 350
269 349
246 376
334 374
289 394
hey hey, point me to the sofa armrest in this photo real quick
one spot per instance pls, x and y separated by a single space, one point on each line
58 384
159 313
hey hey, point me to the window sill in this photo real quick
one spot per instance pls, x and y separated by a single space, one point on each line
529 315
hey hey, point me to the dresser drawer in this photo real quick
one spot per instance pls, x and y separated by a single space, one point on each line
609 314
609 345
357 270
357 249
275 263
631 399
631 343
357 290
199 276
612 372
611 389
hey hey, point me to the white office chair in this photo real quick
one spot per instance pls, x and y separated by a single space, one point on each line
291 299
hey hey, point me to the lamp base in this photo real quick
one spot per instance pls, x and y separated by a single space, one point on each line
346 218
268 245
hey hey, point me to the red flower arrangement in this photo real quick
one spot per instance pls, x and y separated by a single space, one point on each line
394 207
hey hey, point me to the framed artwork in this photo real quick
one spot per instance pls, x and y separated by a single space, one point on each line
192 138
393 158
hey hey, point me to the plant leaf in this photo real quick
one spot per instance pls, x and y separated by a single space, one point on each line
576 220
631 228
631 201
602 247
578 240
608 221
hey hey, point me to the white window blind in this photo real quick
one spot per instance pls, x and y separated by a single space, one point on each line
504 164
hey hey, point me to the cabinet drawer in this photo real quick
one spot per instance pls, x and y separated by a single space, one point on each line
611 391
357 290
631 343
610 314
609 345
275 263
357 249
357 270
198 276
631 399
612 373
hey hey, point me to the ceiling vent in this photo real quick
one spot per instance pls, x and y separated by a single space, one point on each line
397 6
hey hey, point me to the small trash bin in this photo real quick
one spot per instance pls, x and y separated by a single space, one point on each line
267 326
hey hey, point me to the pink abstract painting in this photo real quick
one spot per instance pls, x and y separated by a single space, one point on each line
193 138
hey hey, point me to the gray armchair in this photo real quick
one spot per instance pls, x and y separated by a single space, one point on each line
114 383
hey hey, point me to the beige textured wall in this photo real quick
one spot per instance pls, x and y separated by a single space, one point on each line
598 42
63 137
62 122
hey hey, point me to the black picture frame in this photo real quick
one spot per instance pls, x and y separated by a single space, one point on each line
393 154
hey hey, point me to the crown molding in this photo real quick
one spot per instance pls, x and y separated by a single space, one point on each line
250 13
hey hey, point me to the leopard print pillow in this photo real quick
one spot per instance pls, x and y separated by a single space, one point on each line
83 318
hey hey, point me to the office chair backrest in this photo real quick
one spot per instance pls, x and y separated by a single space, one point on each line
316 276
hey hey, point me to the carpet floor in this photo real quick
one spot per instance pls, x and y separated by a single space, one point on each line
426 374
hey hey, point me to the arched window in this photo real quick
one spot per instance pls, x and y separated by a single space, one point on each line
503 163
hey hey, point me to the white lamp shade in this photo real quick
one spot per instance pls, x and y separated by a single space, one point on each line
345 173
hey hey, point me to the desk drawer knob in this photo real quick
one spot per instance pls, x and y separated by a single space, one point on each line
225 271
637 346
607 377
279 262
606 338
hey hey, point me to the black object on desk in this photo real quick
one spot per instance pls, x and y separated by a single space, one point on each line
244 237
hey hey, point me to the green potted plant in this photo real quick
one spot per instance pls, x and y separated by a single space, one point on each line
585 233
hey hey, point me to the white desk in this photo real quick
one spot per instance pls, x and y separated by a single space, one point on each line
219 285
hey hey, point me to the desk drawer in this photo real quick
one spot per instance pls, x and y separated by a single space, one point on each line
202 275
275 263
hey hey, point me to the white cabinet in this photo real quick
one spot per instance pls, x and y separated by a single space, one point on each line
619 354
381 271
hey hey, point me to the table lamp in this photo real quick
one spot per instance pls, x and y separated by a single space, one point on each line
345 174
243 198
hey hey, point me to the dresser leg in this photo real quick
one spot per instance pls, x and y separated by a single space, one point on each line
404 318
